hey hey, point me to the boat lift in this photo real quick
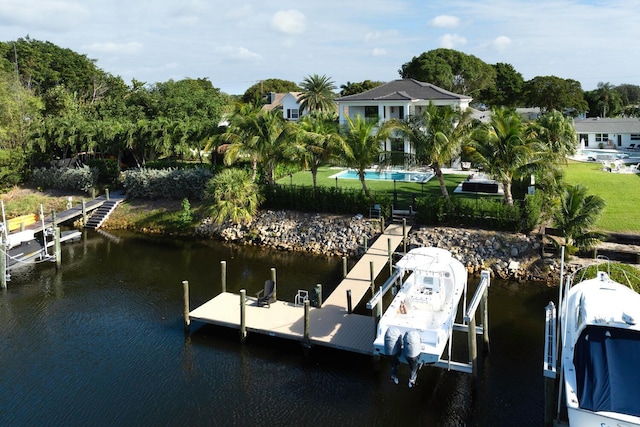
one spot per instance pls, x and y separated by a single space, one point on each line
479 300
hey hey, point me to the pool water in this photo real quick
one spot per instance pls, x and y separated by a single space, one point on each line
387 175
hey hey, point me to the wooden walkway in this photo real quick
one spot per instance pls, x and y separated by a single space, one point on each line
74 212
330 326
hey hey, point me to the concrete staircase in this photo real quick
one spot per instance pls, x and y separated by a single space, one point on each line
101 214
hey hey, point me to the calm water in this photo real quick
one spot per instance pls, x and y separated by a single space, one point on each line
101 343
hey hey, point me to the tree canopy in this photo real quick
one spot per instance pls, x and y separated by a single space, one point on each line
350 88
554 93
451 70
259 90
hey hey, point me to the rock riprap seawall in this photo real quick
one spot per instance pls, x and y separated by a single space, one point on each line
508 255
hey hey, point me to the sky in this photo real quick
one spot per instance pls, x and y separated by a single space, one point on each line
236 44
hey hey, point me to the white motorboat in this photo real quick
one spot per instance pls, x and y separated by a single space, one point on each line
600 359
418 323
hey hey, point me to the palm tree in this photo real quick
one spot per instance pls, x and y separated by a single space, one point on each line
234 196
437 136
505 148
317 94
362 144
575 216
258 134
316 141
557 133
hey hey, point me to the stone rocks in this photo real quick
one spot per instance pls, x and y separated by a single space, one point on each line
506 255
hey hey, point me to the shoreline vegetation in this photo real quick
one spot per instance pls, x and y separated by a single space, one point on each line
510 256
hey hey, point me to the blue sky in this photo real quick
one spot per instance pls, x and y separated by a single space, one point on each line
236 44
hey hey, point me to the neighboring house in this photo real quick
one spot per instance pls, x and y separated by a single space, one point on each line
398 99
287 102
618 133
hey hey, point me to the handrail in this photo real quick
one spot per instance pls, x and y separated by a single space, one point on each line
477 297
383 289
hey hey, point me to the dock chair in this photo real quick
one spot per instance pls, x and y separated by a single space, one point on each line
266 296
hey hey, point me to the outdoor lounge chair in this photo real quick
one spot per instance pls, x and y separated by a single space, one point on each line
267 295
632 146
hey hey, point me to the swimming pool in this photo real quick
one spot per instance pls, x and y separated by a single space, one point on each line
375 175
608 155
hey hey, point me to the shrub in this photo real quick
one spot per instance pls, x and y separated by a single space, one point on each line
77 179
169 183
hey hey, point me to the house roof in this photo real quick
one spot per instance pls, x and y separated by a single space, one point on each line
608 125
404 90
277 100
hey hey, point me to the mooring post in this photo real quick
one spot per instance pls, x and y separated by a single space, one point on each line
275 283
106 194
307 339
390 252
344 267
319 294
57 250
22 226
381 225
549 400
243 308
473 349
484 310
185 314
3 265
366 239
84 211
349 308
223 275
53 218
404 235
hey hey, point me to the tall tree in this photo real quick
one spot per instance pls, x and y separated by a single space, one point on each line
554 93
507 91
350 88
557 133
258 134
317 140
362 144
604 101
259 90
437 136
451 70
317 94
505 148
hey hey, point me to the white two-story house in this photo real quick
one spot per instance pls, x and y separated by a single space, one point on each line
288 102
398 99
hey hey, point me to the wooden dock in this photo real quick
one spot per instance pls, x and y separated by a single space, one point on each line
331 325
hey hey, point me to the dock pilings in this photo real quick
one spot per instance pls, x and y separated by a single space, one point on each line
243 313
185 296
223 275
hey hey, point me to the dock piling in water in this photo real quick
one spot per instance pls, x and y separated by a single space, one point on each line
57 249
319 294
344 267
223 275
243 310
349 307
275 284
187 320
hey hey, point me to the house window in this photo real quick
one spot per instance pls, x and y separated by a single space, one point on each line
401 113
293 113
602 137
371 112
635 136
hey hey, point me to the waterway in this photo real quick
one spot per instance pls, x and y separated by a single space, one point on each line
101 343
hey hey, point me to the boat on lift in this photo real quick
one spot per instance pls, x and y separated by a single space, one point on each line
600 350
419 322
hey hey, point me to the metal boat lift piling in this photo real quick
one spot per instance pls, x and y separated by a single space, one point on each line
332 323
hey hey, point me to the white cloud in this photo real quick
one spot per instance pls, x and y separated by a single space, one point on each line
501 43
378 52
52 15
289 21
241 54
109 47
444 21
377 35
452 41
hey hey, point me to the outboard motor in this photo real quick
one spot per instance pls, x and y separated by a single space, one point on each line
392 342
411 347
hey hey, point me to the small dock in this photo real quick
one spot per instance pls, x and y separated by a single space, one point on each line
330 325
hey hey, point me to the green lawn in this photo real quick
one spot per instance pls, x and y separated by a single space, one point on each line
406 190
620 191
